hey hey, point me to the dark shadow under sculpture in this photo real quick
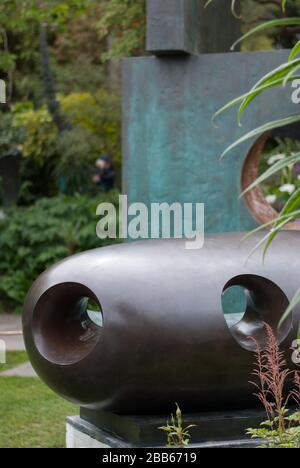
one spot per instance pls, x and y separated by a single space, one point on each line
164 337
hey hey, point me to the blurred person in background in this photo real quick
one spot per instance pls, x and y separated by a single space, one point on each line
105 176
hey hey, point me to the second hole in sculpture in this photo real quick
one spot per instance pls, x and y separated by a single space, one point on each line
94 311
234 304
251 301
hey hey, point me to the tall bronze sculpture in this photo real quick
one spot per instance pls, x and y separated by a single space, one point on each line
171 149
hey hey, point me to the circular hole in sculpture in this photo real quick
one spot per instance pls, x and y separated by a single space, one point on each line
267 200
252 302
234 303
94 311
68 323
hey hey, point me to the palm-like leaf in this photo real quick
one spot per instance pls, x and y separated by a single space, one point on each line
277 167
258 90
262 129
277 77
233 5
294 302
295 214
289 213
295 51
282 73
268 25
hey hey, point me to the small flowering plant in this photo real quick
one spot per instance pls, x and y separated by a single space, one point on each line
272 379
177 435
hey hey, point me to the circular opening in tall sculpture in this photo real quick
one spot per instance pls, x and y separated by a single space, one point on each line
67 323
266 201
265 304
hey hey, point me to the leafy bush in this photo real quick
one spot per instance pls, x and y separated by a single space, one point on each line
126 21
74 168
70 156
99 114
39 131
35 237
9 136
10 139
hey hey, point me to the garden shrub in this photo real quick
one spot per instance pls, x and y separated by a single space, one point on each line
38 129
99 114
10 137
70 157
75 167
35 237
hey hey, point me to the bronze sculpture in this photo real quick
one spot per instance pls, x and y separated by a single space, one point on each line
164 336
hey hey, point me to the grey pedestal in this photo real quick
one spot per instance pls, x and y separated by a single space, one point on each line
213 430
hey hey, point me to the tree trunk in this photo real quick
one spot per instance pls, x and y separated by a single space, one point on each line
49 84
114 69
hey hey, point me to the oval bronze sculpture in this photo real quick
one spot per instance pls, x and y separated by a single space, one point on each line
164 337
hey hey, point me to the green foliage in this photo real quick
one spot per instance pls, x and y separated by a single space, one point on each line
21 19
254 12
99 114
34 238
10 138
275 391
266 26
278 77
177 435
70 156
73 168
279 171
274 438
294 302
39 132
16 14
125 22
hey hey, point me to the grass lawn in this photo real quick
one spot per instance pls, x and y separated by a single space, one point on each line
13 359
30 414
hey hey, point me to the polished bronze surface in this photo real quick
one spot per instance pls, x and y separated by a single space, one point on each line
164 337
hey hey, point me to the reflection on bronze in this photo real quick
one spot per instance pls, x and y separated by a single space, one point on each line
164 336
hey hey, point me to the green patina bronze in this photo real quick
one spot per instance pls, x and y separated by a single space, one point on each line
171 147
